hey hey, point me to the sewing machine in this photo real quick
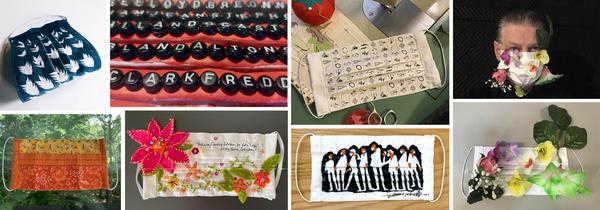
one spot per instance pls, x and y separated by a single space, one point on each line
394 17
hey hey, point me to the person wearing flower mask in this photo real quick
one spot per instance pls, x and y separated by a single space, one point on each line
520 48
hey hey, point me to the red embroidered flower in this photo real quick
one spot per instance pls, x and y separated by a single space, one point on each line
261 179
158 147
239 185
192 170
195 151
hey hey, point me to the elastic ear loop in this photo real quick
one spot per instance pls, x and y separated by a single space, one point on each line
296 166
443 169
116 171
375 114
137 181
4 152
443 57
390 113
282 153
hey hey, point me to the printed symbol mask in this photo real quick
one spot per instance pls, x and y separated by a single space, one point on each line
180 164
58 165
49 54
361 168
395 66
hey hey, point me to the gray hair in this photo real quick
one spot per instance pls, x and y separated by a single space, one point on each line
520 17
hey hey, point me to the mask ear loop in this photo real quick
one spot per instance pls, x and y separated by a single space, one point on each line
137 181
296 166
282 153
4 152
462 171
443 170
116 171
578 161
304 98
375 114
390 113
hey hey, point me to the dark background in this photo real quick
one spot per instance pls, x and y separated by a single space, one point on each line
574 48
210 122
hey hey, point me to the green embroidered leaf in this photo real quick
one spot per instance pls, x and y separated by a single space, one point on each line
184 147
575 137
242 173
225 186
159 174
242 196
227 176
560 116
271 163
545 131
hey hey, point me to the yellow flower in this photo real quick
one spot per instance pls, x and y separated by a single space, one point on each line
172 181
517 185
545 151
542 55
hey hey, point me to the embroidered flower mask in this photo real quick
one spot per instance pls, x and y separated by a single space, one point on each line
181 164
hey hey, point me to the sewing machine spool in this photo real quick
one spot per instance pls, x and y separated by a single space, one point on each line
396 17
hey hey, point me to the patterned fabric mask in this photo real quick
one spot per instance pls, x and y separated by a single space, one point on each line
363 168
49 54
181 164
58 165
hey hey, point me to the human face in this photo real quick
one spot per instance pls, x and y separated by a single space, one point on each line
363 151
521 37
330 156
373 147
343 152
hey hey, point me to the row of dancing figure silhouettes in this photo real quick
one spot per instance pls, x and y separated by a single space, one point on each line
373 169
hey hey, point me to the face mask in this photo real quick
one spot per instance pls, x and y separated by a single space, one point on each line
51 165
376 168
518 163
46 53
360 73
180 164
523 70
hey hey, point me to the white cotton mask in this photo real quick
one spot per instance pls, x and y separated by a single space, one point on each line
509 167
523 68
350 75
364 168
211 151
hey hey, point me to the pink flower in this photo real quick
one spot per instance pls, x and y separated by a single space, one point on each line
158 148
500 76
488 164
545 71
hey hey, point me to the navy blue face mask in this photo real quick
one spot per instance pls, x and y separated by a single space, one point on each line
45 57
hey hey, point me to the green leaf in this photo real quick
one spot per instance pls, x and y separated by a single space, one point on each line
474 197
184 147
242 196
242 173
575 137
271 163
545 131
225 186
227 176
560 116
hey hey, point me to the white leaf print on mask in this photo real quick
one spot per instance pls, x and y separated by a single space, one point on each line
41 36
26 69
35 49
23 53
59 75
30 88
73 66
70 36
47 43
20 44
79 44
37 60
66 50
53 53
87 61
44 83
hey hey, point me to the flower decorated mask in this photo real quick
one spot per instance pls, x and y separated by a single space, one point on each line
181 164
523 70
366 168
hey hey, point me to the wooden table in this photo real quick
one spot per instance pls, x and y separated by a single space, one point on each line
304 174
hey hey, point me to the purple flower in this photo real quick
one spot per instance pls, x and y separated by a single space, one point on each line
504 151
505 57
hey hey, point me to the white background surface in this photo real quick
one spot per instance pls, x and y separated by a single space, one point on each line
485 123
89 92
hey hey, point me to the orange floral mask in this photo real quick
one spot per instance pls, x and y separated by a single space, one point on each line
59 165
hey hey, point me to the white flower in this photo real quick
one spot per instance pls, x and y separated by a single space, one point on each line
30 88
44 83
87 60
26 69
